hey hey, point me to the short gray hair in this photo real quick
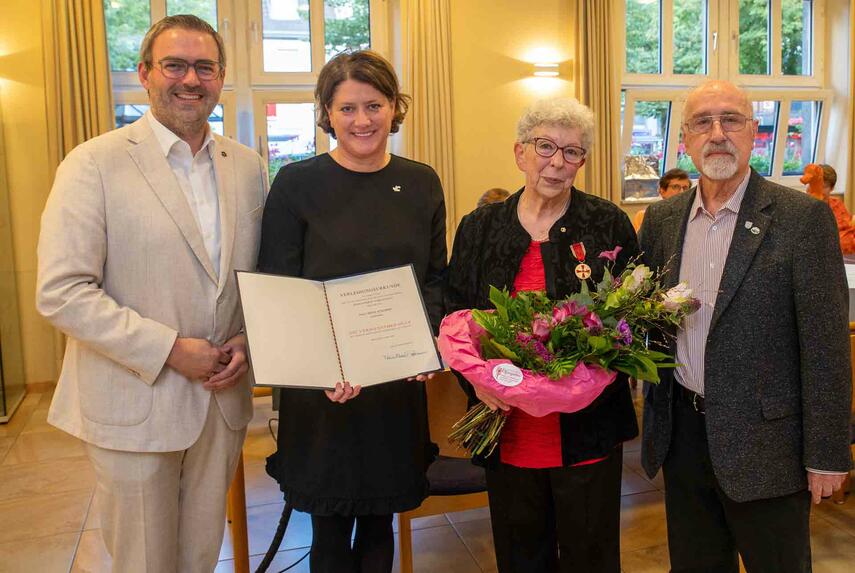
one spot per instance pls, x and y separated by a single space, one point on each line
184 22
564 112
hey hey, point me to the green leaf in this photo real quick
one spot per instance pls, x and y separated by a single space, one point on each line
505 351
499 299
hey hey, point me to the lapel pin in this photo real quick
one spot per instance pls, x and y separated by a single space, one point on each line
396 188
755 230
748 224
223 153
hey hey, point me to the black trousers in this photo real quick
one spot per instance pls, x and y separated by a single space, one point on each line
563 520
373 546
706 528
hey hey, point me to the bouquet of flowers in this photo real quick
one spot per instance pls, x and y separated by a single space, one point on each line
545 356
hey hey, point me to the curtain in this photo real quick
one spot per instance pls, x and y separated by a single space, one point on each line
598 87
427 77
850 172
79 73
77 82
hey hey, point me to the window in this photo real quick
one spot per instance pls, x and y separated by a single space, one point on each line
267 102
766 46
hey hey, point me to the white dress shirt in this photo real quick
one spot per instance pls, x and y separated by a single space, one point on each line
196 177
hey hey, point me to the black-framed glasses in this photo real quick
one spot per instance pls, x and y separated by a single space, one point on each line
573 154
175 69
728 121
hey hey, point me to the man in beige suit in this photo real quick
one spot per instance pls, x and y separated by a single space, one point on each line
139 240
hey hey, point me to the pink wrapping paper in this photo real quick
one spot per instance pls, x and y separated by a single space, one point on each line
535 394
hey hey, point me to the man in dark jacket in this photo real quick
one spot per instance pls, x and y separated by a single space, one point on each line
754 420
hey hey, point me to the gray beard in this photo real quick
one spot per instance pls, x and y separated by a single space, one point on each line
719 168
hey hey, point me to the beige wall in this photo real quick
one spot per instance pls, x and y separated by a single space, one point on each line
493 46
22 97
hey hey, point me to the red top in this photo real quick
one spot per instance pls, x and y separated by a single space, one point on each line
527 441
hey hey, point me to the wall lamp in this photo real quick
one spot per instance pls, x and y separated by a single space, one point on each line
546 70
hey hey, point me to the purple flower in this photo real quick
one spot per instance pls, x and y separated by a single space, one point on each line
624 332
611 255
542 351
592 323
540 328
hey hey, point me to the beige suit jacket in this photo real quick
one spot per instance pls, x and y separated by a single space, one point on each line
123 271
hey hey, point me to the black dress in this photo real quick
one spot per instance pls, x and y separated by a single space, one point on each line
367 456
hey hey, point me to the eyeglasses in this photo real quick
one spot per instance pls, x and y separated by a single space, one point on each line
176 69
573 154
678 187
728 122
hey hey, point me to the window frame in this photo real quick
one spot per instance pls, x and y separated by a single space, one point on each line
125 80
377 10
723 63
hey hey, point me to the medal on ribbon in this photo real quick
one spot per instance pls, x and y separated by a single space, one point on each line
583 271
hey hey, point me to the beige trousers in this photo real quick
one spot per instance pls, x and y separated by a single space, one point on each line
165 512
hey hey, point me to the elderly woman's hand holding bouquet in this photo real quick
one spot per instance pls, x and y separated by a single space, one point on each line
545 356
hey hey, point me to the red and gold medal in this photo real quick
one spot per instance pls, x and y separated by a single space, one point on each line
583 271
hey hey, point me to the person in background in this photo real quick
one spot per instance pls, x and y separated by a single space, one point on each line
140 238
494 195
674 182
553 482
821 179
753 422
351 456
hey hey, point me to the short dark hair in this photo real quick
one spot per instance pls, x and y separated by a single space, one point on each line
671 175
184 22
829 175
364 66
494 195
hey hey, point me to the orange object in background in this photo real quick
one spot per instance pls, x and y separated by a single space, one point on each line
814 179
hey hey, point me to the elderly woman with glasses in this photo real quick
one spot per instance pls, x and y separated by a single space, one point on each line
553 482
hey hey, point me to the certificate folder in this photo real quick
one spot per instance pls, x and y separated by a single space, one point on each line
367 329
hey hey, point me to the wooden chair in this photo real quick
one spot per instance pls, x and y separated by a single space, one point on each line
446 405
236 508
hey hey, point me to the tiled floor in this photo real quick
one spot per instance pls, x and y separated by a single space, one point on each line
48 523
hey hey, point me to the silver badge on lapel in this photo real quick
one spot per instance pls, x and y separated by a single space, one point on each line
396 188
755 230
748 224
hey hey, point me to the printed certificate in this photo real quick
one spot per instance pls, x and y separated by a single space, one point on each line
366 329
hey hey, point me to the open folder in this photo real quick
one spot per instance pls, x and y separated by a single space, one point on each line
367 329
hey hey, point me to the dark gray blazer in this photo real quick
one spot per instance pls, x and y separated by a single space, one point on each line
777 379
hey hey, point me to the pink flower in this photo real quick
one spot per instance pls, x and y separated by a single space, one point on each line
524 338
540 328
592 322
563 312
611 255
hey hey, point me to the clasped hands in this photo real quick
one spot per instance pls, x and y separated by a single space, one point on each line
217 367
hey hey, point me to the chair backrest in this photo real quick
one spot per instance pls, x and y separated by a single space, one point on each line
446 405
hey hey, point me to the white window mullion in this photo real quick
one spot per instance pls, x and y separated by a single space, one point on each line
316 29
776 19
666 40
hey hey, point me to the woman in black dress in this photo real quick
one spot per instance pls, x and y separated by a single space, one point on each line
354 456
